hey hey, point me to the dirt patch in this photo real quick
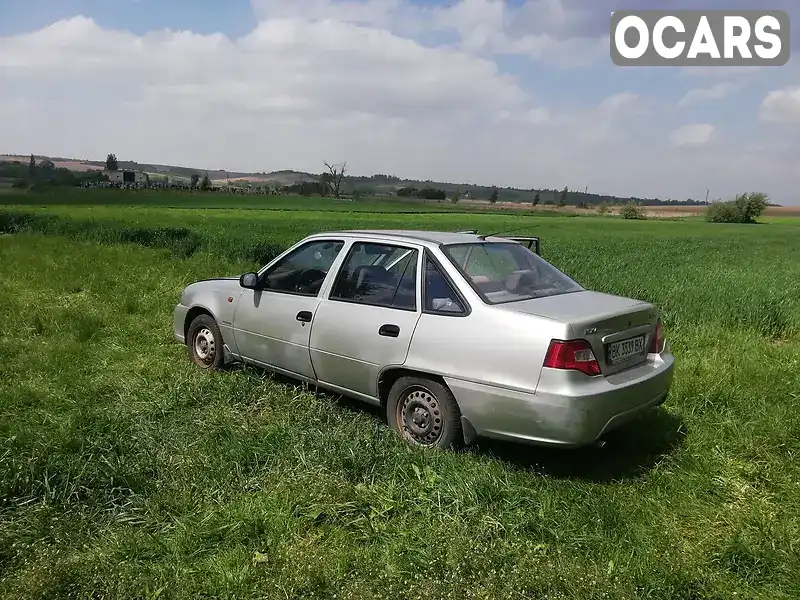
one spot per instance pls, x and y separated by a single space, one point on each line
253 178
76 166
664 212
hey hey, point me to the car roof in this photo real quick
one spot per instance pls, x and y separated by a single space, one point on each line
411 235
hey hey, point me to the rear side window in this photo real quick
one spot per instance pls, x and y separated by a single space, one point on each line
439 295
378 275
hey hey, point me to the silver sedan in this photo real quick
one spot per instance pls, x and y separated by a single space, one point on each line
454 335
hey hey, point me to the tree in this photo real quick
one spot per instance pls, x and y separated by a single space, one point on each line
47 165
432 194
632 211
494 196
744 208
111 163
407 192
562 201
454 197
324 184
205 184
32 165
195 179
752 205
536 199
335 176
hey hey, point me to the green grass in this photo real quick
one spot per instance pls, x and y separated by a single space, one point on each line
669 263
189 199
125 472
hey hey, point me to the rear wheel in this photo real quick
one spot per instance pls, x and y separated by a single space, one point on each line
204 343
424 412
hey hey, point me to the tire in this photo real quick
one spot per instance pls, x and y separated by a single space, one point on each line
204 343
438 418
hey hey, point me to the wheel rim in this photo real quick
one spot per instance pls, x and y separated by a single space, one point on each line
420 416
205 347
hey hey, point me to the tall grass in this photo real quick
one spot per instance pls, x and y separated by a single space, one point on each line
684 267
125 472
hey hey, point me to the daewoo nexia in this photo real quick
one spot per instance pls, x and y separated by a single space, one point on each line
455 335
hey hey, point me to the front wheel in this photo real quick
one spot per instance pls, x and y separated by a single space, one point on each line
425 413
204 343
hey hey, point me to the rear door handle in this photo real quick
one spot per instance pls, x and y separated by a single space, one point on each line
304 316
389 330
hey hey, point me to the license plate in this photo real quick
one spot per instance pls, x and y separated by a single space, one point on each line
625 349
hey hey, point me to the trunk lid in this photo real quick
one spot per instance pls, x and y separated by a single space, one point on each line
603 320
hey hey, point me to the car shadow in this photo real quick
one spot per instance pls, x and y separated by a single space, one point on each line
627 453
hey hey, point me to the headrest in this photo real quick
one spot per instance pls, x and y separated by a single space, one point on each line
370 274
515 279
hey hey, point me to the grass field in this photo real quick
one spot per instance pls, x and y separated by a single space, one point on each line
187 199
125 472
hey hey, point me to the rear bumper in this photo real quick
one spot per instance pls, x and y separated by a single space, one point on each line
568 408
178 322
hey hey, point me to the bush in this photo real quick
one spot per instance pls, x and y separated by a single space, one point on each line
632 211
603 209
744 208
723 212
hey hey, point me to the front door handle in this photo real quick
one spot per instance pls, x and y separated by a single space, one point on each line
389 330
304 316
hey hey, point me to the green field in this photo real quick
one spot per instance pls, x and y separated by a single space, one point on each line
126 473
194 199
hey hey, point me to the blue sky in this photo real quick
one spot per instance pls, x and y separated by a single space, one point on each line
509 93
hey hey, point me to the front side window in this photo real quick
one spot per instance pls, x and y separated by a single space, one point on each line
302 271
506 272
379 275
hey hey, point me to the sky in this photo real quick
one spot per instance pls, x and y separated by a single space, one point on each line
516 93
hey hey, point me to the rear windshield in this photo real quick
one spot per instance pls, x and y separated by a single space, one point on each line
506 272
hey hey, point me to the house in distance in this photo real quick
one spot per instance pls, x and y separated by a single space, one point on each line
126 176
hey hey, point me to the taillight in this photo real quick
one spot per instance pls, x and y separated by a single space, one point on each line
573 355
657 345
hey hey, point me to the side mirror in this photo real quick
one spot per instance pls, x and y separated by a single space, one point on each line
249 280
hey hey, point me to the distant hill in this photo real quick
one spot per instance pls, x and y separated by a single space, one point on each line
378 185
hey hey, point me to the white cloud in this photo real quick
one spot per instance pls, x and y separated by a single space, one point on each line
692 135
543 30
781 106
714 92
618 102
290 93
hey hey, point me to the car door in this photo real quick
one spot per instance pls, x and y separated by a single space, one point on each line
369 316
272 323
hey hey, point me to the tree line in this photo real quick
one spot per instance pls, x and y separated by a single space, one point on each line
39 175
334 182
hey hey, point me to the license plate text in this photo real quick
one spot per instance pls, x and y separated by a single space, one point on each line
625 349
